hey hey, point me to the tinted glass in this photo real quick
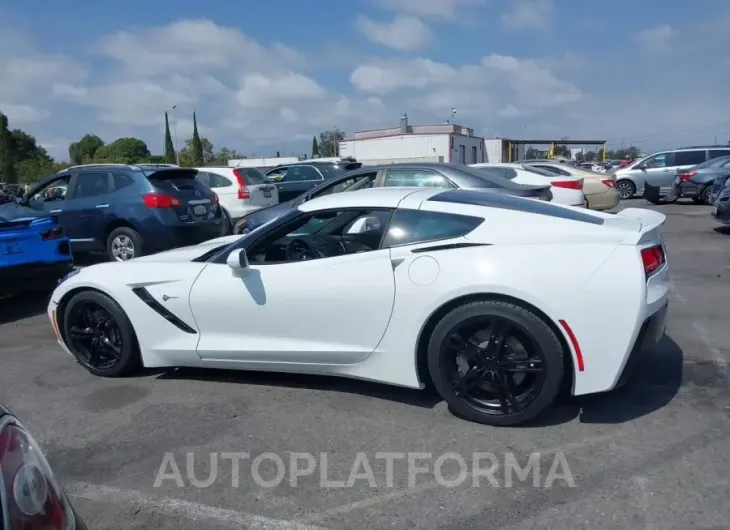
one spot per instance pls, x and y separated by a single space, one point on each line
415 177
91 184
508 202
219 181
416 226
331 171
713 162
203 177
554 170
359 182
251 176
538 171
717 153
301 173
689 158
659 161
122 181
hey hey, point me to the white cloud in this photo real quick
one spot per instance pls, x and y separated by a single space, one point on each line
20 114
427 8
404 33
260 91
529 14
657 39
191 46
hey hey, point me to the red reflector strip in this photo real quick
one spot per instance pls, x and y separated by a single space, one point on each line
609 183
574 344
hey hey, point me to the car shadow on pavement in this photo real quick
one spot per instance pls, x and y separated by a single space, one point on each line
418 398
656 381
724 230
24 305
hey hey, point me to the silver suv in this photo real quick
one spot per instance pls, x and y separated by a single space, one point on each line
660 169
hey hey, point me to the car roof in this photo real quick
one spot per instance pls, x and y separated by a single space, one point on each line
389 197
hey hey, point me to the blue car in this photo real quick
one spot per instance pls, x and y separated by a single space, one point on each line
34 254
125 211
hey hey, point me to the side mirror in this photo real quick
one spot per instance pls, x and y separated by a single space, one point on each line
363 225
238 261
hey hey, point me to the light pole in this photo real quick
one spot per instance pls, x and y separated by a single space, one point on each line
174 129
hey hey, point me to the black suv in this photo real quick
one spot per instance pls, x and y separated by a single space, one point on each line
294 179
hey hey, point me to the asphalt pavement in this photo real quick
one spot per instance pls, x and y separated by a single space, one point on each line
136 453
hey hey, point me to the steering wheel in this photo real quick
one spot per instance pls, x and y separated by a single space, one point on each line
299 250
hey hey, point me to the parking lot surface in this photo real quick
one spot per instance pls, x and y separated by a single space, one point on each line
652 455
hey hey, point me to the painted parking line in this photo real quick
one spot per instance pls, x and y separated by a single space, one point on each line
180 508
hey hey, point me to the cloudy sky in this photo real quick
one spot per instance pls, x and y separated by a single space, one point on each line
267 76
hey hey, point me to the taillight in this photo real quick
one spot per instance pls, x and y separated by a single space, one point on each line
32 498
160 200
609 183
243 192
214 199
569 184
652 258
52 233
687 176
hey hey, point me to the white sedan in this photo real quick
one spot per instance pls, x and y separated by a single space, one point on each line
498 301
566 190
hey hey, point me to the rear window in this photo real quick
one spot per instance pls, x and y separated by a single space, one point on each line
252 176
689 158
178 180
713 162
538 171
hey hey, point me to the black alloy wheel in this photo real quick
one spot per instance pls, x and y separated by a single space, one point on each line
95 336
496 363
100 335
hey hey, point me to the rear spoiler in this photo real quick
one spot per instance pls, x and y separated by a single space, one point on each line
645 225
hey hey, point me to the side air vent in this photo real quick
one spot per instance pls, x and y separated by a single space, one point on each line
448 246
161 310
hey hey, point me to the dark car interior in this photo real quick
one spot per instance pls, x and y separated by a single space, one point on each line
324 235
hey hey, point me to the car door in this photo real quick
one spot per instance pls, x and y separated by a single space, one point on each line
332 310
52 198
89 209
297 180
658 170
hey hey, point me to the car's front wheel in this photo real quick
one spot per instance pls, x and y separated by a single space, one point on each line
99 334
495 362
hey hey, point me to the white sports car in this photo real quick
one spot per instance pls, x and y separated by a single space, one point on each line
497 301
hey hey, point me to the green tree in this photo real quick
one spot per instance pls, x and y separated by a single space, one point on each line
197 147
169 147
328 142
7 155
580 157
34 169
561 151
122 151
85 149
25 147
315 147
187 156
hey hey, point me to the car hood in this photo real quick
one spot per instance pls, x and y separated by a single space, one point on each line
188 253
12 211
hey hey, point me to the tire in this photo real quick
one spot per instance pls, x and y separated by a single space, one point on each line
122 236
226 223
626 189
130 360
705 196
526 323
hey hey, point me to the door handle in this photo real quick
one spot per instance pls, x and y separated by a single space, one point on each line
102 206
56 211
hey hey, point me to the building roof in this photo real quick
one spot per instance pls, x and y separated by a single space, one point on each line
444 128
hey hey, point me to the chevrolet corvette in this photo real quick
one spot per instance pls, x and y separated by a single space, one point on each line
491 300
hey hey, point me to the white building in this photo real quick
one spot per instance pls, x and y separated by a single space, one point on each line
415 143
263 162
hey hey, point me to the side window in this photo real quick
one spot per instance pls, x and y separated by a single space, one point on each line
359 182
659 161
122 181
415 178
418 226
53 191
689 158
277 174
301 174
510 173
322 235
203 177
717 153
91 184
218 181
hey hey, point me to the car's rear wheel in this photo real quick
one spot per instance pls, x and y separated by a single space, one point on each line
99 334
495 362
705 196
123 244
226 223
626 189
